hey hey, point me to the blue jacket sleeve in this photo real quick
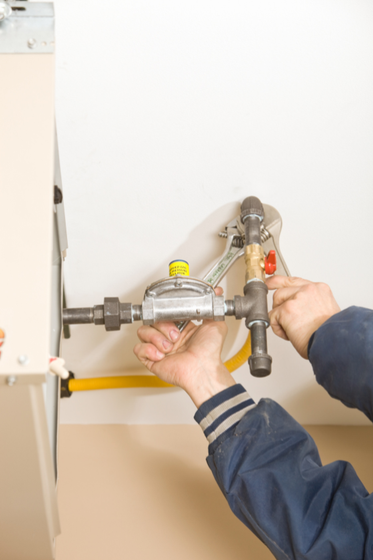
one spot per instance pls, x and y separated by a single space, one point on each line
341 354
270 472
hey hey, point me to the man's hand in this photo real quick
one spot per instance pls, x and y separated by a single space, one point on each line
190 360
300 307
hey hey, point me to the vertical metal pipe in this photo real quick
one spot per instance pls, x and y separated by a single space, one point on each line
252 214
258 338
252 230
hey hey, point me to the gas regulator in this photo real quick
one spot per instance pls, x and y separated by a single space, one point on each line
181 298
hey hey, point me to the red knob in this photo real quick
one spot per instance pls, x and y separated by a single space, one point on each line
270 262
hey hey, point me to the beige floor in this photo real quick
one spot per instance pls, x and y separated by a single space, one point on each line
146 493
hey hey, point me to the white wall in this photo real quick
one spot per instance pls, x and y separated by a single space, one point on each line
169 114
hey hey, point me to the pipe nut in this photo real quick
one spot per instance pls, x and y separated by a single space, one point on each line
252 206
260 365
112 313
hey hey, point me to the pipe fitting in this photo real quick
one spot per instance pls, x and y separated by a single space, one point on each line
253 305
256 294
255 263
230 307
252 206
242 306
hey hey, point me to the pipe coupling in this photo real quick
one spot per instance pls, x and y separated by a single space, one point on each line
255 263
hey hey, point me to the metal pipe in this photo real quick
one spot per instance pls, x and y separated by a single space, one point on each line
252 230
254 304
259 338
78 315
259 361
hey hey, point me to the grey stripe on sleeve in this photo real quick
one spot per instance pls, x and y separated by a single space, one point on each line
230 421
216 412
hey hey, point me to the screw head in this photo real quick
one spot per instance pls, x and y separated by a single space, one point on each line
31 43
5 10
23 359
11 380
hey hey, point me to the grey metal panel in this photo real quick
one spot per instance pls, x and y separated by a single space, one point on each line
29 29
60 209
53 381
59 250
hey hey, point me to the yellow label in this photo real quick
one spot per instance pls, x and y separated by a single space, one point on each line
179 267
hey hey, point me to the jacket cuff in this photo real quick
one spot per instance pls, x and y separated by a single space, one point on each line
220 414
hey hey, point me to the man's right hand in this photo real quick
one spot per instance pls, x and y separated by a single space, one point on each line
191 359
300 307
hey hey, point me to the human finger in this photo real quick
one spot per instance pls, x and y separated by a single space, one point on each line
153 336
219 291
274 320
147 352
275 282
283 294
168 330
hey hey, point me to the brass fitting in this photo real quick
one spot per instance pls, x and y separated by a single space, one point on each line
255 263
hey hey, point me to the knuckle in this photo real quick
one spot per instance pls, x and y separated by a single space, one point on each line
289 306
273 318
324 287
310 289
272 321
276 297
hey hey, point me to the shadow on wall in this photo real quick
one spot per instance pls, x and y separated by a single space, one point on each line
91 350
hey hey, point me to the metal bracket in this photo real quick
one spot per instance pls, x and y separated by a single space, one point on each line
28 29
5 10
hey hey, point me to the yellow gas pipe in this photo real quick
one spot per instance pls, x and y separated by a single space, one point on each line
136 381
241 357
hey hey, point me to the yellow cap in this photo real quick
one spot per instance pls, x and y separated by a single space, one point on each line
179 267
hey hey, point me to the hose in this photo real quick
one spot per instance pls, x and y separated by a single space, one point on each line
117 382
136 381
241 357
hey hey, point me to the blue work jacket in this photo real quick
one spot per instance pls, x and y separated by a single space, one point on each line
268 466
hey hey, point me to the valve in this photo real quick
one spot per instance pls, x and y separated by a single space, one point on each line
270 262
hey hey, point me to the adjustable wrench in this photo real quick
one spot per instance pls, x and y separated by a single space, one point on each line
234 249
235 235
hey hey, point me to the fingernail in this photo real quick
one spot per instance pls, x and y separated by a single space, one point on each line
159 354
166 344
174 334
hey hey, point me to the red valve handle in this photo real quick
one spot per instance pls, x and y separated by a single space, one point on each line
270 262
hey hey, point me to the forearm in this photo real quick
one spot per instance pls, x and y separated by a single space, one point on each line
341 354
269 469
